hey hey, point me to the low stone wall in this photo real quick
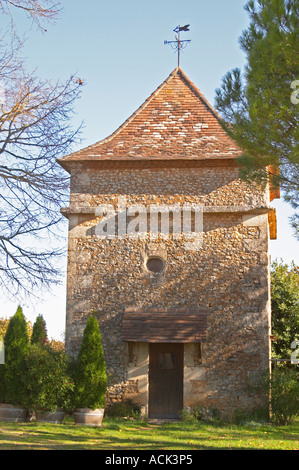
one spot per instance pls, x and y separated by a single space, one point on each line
122 391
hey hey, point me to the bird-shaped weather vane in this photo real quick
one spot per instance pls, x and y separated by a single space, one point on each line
179 44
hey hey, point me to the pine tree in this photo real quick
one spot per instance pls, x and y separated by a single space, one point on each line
260 107
91 378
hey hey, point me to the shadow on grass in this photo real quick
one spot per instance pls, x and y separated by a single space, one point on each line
121 434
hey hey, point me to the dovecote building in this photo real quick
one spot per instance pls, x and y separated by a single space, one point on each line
168 247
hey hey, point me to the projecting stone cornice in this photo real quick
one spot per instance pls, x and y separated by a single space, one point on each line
155 162
207 210
232 209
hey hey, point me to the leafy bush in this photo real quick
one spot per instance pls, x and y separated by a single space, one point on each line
281 391
48 384
90 371
206 413
284 307
187 415
284 395
257 416
200 413
124 409
35 374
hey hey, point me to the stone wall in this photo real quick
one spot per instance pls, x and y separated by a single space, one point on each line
229 275
209 186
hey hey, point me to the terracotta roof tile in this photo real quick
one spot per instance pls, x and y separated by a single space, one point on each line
175 122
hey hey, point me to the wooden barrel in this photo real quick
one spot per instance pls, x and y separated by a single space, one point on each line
88 417
12 414
55 417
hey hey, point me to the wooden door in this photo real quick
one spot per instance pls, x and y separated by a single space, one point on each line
165 379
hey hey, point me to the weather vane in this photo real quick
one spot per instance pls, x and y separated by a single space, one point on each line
179 44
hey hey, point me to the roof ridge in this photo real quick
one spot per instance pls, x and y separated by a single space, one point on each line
197 91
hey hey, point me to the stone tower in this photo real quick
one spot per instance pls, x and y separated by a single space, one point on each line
169 249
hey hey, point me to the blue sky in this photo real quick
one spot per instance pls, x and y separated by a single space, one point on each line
118 49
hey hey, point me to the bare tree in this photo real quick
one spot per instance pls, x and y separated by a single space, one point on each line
35 130
39 11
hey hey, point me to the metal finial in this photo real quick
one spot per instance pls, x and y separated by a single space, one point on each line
179 44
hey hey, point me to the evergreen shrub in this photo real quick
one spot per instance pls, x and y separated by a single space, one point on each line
90 372
16 343
39 332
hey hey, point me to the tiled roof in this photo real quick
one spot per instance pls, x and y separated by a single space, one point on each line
175 122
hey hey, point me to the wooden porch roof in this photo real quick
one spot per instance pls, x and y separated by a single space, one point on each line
165 325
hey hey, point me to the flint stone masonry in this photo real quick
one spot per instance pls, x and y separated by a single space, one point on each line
228 276
206 186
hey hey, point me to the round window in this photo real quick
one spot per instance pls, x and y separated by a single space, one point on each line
155 264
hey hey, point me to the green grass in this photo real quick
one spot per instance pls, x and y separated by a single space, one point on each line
126 434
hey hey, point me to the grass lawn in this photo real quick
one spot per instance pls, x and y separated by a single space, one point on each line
126 434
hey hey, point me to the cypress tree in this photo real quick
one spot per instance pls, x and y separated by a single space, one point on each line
91 378
16 342
2 369
39 332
